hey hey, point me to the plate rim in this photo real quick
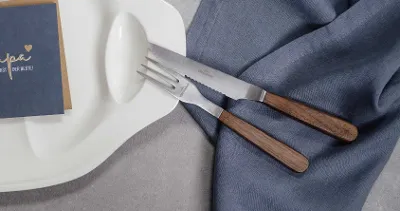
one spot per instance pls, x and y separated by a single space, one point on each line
87 167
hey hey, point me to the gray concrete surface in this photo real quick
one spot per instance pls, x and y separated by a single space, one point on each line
167 166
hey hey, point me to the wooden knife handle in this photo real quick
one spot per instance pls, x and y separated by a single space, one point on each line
325 122
280 151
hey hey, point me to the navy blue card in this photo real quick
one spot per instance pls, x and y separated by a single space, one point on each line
30 68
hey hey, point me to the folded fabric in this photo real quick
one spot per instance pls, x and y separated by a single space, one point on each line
340 56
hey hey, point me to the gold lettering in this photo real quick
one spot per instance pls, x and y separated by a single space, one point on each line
3 61
11 59
9 67
25 59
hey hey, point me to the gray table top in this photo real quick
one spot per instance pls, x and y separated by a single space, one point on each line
167 166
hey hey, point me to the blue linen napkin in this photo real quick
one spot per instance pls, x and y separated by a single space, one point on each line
337 55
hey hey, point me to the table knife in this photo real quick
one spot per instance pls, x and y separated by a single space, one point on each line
237 89
184 90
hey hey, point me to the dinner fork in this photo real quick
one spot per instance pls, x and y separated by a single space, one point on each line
184 90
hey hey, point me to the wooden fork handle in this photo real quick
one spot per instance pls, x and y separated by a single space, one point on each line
322 121
280 151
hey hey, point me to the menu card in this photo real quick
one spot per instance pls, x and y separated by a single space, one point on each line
33 79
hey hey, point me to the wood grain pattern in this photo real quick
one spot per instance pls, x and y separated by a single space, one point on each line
322 121
280 151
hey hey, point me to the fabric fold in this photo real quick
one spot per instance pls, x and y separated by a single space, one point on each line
344 61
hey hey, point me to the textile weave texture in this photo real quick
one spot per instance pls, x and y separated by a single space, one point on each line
340 56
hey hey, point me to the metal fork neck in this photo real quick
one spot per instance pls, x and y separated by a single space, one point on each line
210 107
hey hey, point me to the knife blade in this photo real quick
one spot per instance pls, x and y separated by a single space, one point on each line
237 89
186 91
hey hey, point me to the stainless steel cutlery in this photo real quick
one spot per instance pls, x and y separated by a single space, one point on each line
238 89
184 90
176 69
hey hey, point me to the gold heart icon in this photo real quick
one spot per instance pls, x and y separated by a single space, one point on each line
28 48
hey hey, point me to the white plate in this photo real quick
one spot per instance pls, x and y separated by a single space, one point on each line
37 152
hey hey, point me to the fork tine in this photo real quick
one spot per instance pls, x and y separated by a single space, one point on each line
157 82
162 76
168 70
